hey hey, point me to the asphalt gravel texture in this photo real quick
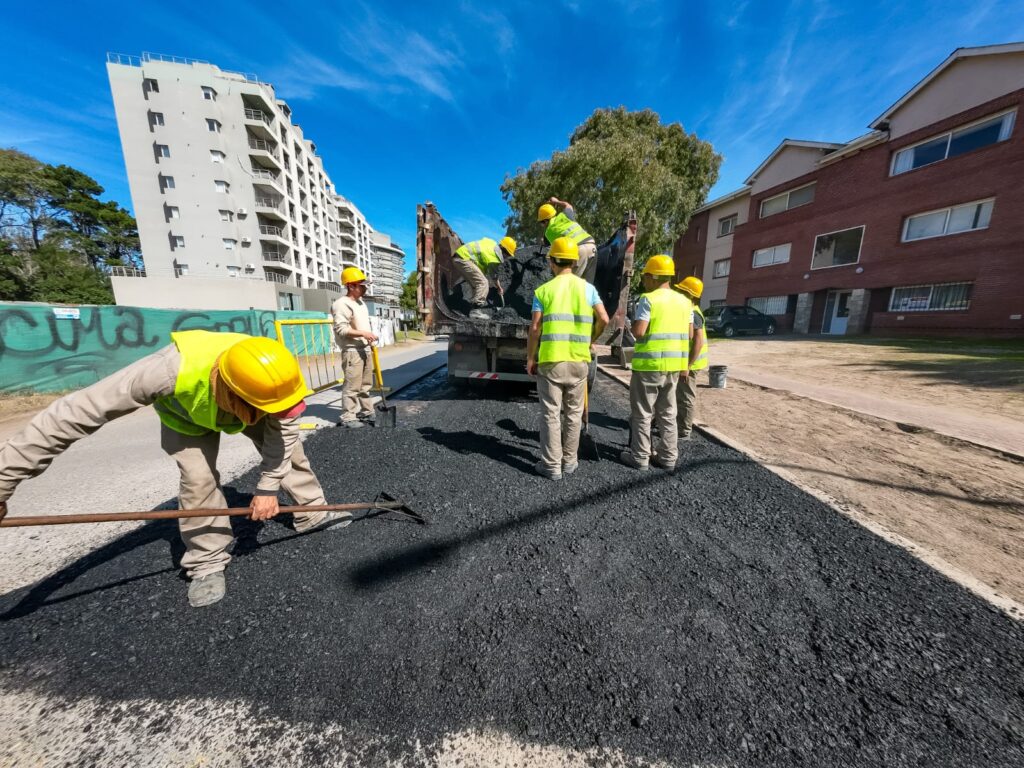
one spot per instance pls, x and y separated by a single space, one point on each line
715 614
519 277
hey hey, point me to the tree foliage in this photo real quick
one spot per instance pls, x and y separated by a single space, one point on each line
619 161
57 238
408 299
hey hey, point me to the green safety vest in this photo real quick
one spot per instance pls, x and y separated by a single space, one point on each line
567 321
562 226
666 345
483 252
702 359
192 409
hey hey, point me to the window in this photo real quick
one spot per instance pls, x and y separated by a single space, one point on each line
162 150
777 254
837 248
924 298
155 119
166 182
949 221
227 215
769 305
716 303
698 234
212 125
149 85
180 270
216 156
209 94
172 212
229 243
787 200
222 186
177 241
234 271
722 267
989 131
727 225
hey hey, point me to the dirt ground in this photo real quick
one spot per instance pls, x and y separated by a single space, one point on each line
960 501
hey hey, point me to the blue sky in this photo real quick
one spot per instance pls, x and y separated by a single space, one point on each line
439 101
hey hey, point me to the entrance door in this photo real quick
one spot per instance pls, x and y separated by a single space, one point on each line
837 312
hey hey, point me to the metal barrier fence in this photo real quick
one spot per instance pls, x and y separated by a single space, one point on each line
312 343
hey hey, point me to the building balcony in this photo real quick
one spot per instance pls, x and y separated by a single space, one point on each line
347 235
258 116
270 206
278 256
271 232
328 286
273 277
127 272
265 149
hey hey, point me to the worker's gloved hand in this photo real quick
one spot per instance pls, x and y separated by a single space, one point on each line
263 507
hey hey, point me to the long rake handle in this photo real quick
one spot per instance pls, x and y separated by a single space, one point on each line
168 514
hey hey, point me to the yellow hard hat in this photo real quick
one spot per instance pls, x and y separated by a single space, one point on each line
263 373
660 265
564 248
691 285
352 275
545 212
509 245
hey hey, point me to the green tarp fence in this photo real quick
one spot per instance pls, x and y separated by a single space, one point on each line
47 348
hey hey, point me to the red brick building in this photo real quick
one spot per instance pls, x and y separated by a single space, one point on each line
916 227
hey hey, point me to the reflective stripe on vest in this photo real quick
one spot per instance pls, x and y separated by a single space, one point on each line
702 357
666 345
192 409
567 321
562 226
483 253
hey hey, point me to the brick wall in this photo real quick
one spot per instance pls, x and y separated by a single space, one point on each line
688 251
858 191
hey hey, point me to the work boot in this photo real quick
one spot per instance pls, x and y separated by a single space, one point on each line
206 590
656 461
627 458
568 469
543 470
351 424
332 521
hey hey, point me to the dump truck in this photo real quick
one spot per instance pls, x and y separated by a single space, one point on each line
495 349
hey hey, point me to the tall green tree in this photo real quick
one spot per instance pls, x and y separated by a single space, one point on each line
408 299
619 161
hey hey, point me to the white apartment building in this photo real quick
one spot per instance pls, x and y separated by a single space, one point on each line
225 186
389 269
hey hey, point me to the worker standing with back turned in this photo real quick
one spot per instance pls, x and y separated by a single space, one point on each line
563 224
568 315
686 392
201 385
352 331
475 262
663 325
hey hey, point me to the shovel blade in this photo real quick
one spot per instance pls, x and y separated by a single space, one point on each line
588 447
387 416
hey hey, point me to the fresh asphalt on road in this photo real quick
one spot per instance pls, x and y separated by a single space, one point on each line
712 616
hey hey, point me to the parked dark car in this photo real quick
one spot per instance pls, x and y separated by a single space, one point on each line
735 319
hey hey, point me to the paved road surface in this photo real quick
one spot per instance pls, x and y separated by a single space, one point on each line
713 616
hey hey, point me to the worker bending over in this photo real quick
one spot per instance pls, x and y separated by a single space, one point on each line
663 325
476 262
201 385
568 315
564 224
352 332
686 392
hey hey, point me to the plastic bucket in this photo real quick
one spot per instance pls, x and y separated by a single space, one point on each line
718 374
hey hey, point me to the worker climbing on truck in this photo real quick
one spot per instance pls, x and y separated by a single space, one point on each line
202 384
568 315
475 262
563 224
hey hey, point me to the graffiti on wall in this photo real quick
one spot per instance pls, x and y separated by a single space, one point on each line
45 348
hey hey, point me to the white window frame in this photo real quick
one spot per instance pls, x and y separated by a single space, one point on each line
216 156
173 212
226 215
860 249
217 185
156 119
178 240
166 182
931 292
209 93
948 135
773 249
727 220
783 299
163 150
229 243
945 227
760 208
213 125
150 85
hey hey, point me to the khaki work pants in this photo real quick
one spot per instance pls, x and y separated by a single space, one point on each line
652 396
586 267
207 538
686 403
561 388
357 368
476 279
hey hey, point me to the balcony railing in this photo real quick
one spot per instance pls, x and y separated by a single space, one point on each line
263 173
264 146
267 229
269 202
258 114
127 272
275 278
328 286
276 256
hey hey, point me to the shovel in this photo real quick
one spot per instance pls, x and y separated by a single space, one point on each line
588 446
387 415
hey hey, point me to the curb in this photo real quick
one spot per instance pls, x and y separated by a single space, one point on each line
1006 605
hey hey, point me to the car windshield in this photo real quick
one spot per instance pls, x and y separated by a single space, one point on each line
713 311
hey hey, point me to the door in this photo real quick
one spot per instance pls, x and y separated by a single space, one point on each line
837 312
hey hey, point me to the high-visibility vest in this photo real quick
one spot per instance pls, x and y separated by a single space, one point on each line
567 321
192 409
562 226
483 252
702 358
666 345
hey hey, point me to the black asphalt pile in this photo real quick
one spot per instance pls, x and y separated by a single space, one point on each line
716 615
519 277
